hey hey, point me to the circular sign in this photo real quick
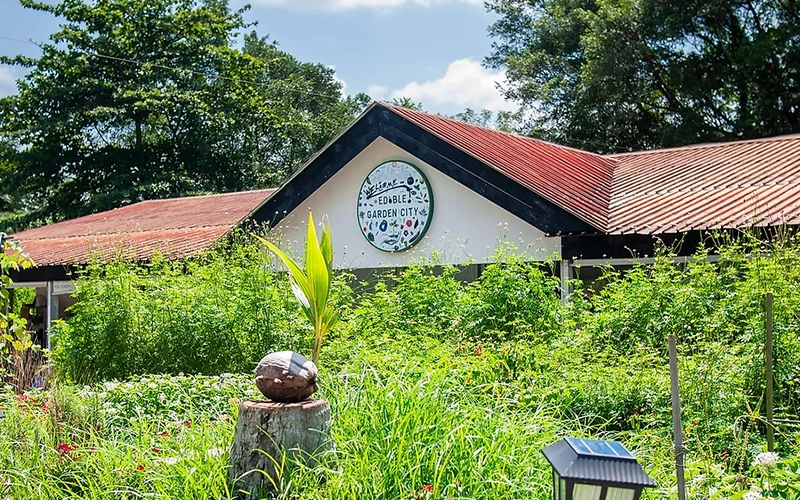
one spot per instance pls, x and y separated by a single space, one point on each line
395 206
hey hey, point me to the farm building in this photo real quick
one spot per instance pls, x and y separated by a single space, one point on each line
402 187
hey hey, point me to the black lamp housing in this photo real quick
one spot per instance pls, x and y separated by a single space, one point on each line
590 469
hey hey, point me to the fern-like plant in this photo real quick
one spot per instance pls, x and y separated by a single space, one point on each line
312 286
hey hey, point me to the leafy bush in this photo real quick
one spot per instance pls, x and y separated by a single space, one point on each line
513 301
220 313
713 309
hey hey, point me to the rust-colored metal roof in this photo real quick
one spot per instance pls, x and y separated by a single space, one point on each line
175 227
707 186
577 181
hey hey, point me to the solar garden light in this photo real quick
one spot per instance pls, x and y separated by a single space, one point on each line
590 469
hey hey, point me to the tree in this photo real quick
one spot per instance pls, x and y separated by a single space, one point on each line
617 75
140 99
408 103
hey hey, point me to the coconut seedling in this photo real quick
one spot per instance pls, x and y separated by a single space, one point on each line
286 375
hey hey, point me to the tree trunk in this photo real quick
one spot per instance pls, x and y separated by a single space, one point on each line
269 436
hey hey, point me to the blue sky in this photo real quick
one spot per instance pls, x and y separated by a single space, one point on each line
429 50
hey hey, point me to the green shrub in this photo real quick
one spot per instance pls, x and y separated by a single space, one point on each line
219 313
513 301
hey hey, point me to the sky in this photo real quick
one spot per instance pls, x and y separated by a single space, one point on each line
428 50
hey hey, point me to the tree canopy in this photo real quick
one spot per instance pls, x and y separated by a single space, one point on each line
140 99
617 75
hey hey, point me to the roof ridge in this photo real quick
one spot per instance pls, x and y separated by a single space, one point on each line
209 195
124 232
706 145
490 129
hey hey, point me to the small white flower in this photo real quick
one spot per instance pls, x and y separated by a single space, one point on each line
767 459
171 460
752 495
215 452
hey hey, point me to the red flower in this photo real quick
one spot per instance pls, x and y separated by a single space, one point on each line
140 467
164 434
478 351
427 487
65 451
188 423
65 448
155 450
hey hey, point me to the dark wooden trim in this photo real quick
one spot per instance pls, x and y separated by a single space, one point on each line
42 273
311 177
438 153
602 246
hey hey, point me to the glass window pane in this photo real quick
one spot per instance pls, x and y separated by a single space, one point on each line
556 491
586 492
619 494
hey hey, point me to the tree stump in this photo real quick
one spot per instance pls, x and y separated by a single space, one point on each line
265 431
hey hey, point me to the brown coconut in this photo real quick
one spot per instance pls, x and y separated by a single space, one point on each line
286 377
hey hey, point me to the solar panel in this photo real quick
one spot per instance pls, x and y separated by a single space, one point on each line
596 448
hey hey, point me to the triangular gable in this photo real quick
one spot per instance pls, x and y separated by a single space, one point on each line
380 120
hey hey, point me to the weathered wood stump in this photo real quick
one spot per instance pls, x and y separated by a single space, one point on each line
265 431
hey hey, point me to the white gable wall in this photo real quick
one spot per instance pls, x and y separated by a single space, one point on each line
466 228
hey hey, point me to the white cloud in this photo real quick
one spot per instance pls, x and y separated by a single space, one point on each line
8 81
337 79
377 92
7 76
354 4
465 84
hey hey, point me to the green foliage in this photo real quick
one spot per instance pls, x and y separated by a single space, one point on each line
17 349
618 75
89 444
709 307
447 385
443 421
312 285
220 313
134 100
513 301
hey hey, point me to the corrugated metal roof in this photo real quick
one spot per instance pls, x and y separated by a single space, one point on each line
708 186
577 181
175 227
